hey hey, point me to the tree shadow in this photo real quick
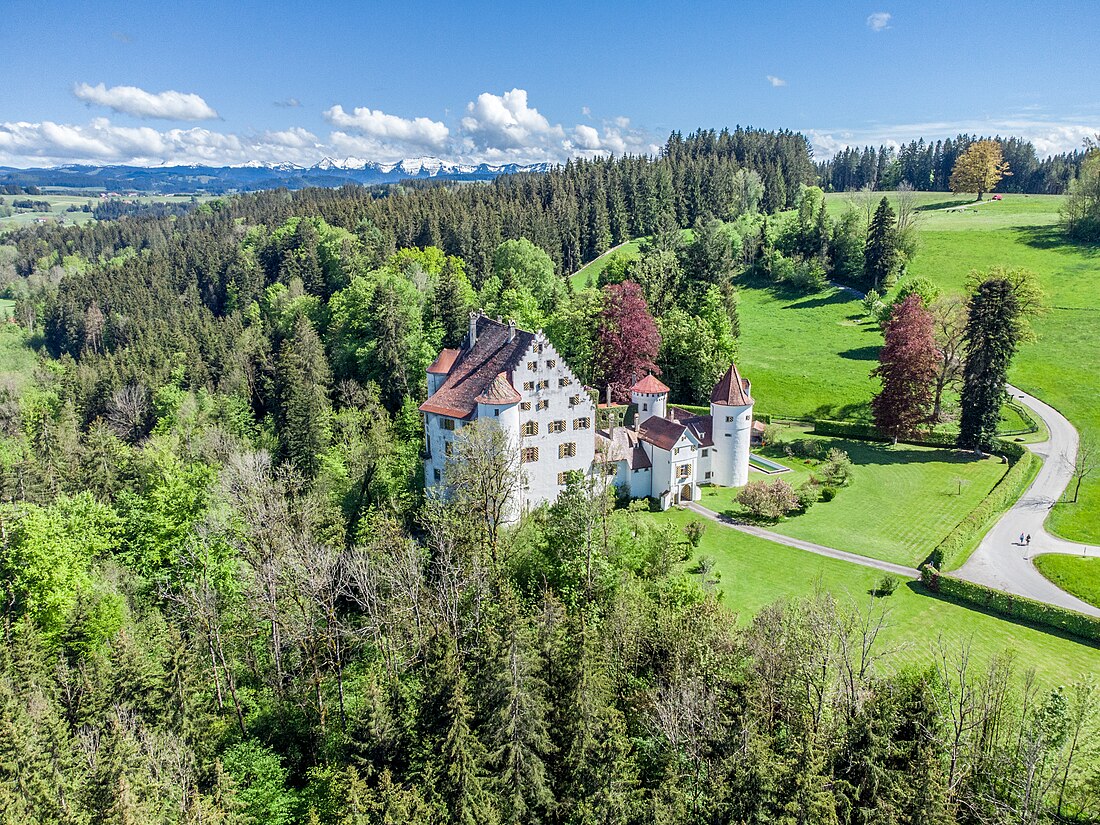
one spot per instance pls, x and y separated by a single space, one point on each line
868 353
837 296
1052 237
884 453
918 588
831 412
932 207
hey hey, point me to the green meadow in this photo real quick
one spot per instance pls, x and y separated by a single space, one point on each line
1075 574
903 500
753 573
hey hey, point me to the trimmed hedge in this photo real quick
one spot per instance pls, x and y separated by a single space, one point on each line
957 545
1011 606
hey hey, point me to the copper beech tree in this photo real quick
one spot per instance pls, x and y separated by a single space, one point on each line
908 365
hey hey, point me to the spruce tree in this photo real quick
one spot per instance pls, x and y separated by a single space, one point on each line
880 255
304 409
992 333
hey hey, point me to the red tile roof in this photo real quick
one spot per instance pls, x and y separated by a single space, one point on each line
732 390
475 370
443 362
660 432
650 385
702 427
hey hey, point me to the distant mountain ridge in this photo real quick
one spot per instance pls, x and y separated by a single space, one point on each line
254 175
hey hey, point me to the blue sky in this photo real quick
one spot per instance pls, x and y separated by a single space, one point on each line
113 82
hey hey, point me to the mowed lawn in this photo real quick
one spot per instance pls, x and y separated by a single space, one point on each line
1059 367
756 573
902 502
1077 575
807 356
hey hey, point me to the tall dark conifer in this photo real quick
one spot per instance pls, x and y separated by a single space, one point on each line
880 255
992 333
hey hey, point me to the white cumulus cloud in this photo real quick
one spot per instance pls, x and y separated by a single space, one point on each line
420 131
131 100
775 81
878 21
506 121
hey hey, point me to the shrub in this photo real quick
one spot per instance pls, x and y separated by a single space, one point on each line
694 530
808 493
828 493
773 434
886 585
1011 606
806 448
837 469
807 276
768 499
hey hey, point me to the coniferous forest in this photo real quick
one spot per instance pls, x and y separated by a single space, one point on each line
226 598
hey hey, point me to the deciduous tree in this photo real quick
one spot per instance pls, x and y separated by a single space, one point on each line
627 339
979 169
907 369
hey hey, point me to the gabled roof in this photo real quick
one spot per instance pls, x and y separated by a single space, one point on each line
649 385
732 390
500 391
475 369
702 427
443 362
622 445
660 432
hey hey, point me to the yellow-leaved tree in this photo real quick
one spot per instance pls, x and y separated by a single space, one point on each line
979 168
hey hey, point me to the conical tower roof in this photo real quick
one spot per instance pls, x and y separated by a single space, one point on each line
732 390
649 385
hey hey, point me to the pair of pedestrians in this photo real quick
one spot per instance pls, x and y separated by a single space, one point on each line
1025 541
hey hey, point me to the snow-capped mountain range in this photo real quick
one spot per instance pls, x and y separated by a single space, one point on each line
258 175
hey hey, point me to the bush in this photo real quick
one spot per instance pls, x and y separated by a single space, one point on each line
768 499
886 585
828 493
806 448
1011 606
837 469
808 493
807 276
772 435
694 530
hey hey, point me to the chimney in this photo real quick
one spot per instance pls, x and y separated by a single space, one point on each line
473 328
511 331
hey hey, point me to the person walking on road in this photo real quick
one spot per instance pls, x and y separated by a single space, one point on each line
1021 539
1027 541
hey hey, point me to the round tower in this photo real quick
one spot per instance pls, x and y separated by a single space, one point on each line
650 398
731 422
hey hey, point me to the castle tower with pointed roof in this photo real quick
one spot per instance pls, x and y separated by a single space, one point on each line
650 398
731 428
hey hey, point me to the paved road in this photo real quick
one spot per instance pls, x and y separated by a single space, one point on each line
819 549
1000 560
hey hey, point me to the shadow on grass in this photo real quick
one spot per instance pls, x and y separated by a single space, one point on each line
932 207
1052 237
868 353
919 589
880 452
837 296
832 412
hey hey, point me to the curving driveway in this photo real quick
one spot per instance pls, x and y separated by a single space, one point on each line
1001 561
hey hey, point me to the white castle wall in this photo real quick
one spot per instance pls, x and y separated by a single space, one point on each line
649 404
732 433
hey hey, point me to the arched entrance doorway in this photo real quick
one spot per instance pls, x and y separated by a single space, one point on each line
685 493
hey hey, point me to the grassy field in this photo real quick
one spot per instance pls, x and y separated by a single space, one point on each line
756 573
592 270
16 359
902 502
60 203
1059 367
1080 576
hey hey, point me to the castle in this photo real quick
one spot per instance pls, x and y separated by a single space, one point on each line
518 379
